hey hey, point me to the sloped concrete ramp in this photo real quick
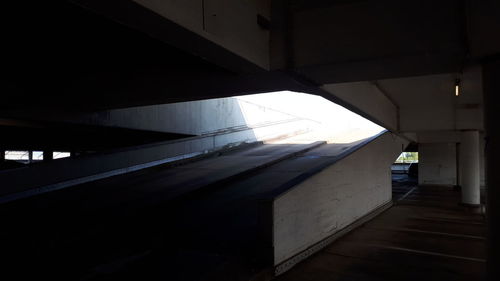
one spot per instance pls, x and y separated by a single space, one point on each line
229 217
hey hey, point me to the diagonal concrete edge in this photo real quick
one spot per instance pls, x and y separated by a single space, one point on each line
237 176
307 174
168 161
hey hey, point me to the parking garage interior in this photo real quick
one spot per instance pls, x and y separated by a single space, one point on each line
250 140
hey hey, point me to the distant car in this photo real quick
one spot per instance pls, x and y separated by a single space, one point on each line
413 170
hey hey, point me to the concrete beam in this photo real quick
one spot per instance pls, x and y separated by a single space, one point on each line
106 54
381 68
368 98
370 40
223 32
483 28
438 137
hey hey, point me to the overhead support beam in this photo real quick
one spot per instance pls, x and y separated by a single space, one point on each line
381 68
367 97
225 33
108 54
483 28
156 87
348 41
389 97
48 155
439 137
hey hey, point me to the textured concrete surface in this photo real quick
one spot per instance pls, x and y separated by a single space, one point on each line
191 222
437 163
334 197
194 214
425 236
128 227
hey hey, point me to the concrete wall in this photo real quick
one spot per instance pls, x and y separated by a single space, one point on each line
192 118
334 198
437 163
216 123
432 94
53 175
435 95
237 119
231 24
469 104
437 157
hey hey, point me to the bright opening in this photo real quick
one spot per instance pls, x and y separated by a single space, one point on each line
60 154
303 118
18 155
408 157
37 155
406 163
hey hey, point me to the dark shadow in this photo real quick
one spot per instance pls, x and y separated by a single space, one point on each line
404 176
175 223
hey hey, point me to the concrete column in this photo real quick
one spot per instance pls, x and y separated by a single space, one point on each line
469 167
48 155
458 166
491 89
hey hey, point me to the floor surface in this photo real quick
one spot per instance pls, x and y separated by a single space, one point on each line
426 235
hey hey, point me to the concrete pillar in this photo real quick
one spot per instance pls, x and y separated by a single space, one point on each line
458 166
470 176
48 155
491 89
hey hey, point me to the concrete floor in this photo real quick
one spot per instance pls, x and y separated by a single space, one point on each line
425 236
156 224
163 223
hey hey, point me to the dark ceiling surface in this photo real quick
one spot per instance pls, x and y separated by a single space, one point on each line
57 54
89 55
56 136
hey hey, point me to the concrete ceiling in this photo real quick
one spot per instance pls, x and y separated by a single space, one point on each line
90 54
428 103
418 103
421 91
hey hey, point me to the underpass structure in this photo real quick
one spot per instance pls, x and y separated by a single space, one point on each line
129 87
231 211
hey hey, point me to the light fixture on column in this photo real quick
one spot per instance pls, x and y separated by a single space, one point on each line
457 87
